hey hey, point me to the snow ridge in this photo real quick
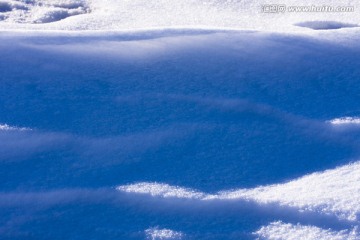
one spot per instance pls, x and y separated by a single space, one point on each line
286 231
330 192
345 121
141 14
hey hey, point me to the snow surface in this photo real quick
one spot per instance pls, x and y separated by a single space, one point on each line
331 192
142 14
160 234
283 231
5 127
345 121
172 120
40 12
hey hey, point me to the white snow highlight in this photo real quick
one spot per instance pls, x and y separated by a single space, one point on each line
160 234
142 14
345 121
285 231
335 192
5 127
331 192
162 190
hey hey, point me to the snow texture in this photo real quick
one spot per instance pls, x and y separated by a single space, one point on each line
162 234
285 231
142 14
331 192
345 121
193 119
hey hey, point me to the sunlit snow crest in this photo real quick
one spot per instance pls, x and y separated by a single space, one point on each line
285 231
162 234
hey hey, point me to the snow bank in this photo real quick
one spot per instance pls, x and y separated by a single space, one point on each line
331 192
165 109
142 14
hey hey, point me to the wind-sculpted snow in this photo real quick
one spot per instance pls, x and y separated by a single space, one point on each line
142 14
326 25
331 192
39 11
286 231
18 143
204 134
162 190
345 121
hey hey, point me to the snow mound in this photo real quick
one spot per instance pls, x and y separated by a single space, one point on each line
190 110
331 192
285 231
325 25
335 192
142 14
40 11
162 234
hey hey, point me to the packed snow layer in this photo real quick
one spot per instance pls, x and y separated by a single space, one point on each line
285 231
142 14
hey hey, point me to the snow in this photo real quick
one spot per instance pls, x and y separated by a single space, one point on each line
163 190
142 14
285 231
345 121
39 12
178 129
326 25
5 127
331 192
160 234
334 192
199 119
